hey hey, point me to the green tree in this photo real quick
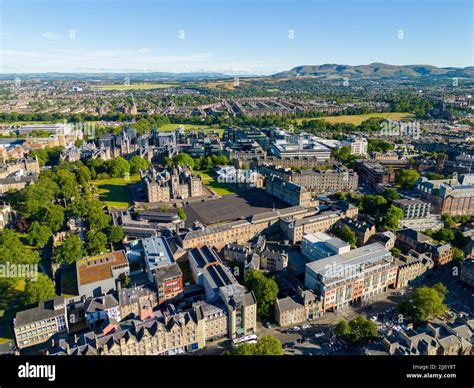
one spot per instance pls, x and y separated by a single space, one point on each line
458 255
357 331
449 221
373 204
221 160
52 216
346 234
38 235
339 196
138 163
393 217
96 217
182 214
96 242
265 346
70 250
426 303
183 160
265 290
68 187
395 252
390 194
34 197
40 290
115 234
119 167
444 234
83 175
406 178
342 154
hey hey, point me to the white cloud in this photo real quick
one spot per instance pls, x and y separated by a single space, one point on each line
144 51
130 60
51 36
69 60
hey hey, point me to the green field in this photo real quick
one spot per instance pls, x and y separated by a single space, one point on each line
32 122
219 188
144 86
190 127
358 119
10 302
114 191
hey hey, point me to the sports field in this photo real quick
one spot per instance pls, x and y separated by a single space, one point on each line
358 119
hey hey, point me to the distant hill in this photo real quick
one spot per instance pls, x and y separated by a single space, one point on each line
375 70
134 76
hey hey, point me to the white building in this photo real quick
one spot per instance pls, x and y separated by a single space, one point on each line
358 145
320 245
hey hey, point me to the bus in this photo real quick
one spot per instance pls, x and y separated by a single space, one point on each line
251 338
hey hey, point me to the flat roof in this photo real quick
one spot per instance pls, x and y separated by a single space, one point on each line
157 252
350 259
97 268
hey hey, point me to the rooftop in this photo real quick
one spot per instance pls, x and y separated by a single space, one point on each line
98 268
45 310
352 259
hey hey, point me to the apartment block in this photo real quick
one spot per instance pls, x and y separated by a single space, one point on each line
296 229
336 179
350 277
297 309
413 208
167 335
319 245
291 193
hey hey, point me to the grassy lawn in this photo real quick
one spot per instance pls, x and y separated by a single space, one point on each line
31 122
221 84
10 303
189 127
358 119
219 188
114 191
142 86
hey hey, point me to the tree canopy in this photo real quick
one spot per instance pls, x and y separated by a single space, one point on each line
406 178
265 346
425 303
40 290
265 290
357 331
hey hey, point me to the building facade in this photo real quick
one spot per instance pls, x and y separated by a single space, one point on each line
351 277
167 186
37 325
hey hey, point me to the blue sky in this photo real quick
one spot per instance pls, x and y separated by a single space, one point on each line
239 36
